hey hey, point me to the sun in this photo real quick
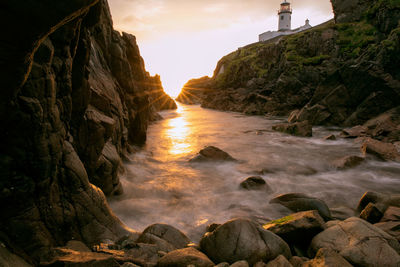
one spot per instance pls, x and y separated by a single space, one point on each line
172 87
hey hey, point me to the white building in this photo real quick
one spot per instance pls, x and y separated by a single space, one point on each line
285 24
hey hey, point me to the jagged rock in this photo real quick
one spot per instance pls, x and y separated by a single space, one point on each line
240 264
185 257
356 131
301 202
385 127
327 258
358 242
166 237
279 261
298 129
255 183
242 239
348 162
297 228
385 151
212 153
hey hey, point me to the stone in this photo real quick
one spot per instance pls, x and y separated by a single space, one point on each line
297 228
348 162
129 264
241 239
300 202
166 237
390 227
342 213
255 183
279 261
391 214
8 259
372 213
185 257
376 198
360 243
331 137
296 261
212 153
327 258
382 150
356 131
77 246
212 227
303 128
223 264
240 264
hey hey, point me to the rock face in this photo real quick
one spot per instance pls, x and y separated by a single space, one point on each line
334 74
360 243
76 96
242 239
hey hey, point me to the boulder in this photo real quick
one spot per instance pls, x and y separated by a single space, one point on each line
8 259
279 261
77 246
330 137
372 212
347 162
382 150
390 227
166 237
300 202
360 243
240 264
185 257
376 198
356 131
212 153
223 264
342 213
255 183
327 258
241 239
297 228
303 128
297 261
391 214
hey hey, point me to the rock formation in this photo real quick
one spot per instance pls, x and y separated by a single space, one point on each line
343 73
75 96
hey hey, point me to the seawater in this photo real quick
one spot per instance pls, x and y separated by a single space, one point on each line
161 186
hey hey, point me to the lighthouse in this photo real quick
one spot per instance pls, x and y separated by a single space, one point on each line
285 17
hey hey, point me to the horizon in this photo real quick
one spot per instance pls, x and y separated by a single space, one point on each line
193 36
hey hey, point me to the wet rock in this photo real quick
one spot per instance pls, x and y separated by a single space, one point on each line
385 151
255 183
391 214
331 137
212 153
241 239
279 261
166 237
347 162
327 258
240 264
372 213
185 257
298 228
376 198
298 129
390 227
360 243
300 202
356 131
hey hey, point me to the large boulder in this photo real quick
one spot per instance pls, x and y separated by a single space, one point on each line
303 128
300 202
212 153
360 243
241 239
185 257
297 228
382 150
327 258
347 162
166 237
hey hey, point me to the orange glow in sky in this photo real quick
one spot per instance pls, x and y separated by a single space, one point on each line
184 39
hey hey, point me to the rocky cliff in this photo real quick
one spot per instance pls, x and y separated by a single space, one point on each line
339 73
75 97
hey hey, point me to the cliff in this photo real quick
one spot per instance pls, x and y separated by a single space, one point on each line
338 73
75 97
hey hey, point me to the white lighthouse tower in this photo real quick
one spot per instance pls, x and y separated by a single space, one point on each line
285 17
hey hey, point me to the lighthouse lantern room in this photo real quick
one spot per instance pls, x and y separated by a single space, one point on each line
285 16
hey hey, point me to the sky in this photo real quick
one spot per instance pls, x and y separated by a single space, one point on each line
184 39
